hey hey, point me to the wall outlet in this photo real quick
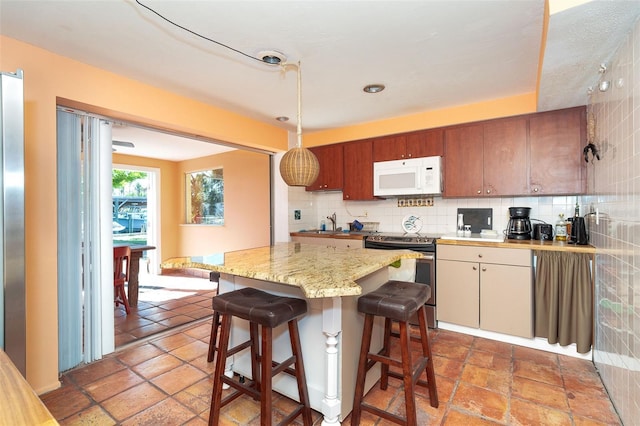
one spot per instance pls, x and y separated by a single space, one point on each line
297 215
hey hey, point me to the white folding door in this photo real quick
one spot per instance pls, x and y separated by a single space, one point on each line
85 279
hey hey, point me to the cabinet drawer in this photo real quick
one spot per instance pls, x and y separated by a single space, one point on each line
503 256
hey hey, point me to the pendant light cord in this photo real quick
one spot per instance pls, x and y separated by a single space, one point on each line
299 127
282 65
199 35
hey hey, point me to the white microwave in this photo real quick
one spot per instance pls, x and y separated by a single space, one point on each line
414 176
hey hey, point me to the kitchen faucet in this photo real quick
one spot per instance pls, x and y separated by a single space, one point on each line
332 218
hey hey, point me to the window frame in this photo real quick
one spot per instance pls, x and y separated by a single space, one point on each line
208 220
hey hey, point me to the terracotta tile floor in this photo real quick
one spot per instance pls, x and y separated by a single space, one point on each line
166 380
164 302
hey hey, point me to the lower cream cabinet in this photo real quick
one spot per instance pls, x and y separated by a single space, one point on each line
487 288
330 242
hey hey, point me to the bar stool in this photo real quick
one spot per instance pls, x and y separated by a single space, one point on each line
269 311
395 301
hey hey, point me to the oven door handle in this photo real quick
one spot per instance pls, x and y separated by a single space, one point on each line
427 256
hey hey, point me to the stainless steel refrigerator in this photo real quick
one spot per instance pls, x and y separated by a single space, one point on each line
12 210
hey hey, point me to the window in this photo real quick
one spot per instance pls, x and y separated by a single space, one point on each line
205 197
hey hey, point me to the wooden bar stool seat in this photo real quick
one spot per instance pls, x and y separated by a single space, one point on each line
268 311
395 301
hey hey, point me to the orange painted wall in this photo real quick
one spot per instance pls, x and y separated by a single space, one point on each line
48 77
505 107
246 205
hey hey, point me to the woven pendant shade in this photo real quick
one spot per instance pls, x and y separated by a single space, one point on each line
299 166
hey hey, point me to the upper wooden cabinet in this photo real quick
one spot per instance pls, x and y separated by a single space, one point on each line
556 141
505 157
486 159
331 160
426 143
463 152
423 143
358 171
388 148
536 154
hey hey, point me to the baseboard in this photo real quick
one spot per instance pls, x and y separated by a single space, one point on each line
535 343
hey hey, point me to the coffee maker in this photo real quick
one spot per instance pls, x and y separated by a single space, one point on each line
519 227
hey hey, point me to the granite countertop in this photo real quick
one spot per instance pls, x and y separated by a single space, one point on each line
318 270
351 235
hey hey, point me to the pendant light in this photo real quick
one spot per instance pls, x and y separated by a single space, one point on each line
299 166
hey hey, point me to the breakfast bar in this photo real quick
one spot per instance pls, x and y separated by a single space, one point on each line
330 279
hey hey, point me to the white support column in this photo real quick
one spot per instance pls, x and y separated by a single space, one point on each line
331 327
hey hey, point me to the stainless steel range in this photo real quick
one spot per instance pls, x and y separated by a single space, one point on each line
425 269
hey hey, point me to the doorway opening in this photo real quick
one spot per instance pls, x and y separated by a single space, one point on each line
138 146
163 300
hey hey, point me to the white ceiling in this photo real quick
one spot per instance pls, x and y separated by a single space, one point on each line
430 54
165 146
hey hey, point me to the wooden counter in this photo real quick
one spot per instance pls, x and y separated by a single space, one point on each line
523 244
19 404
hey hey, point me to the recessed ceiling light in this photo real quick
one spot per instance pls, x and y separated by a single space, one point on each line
282 118
272 57
373 88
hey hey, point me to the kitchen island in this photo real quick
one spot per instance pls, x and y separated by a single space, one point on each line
330 279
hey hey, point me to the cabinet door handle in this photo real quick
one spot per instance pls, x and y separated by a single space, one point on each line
488 191
479 191
535 189
480 255
484 269
475 268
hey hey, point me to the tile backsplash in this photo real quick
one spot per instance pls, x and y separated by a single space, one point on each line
614 189
439 218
